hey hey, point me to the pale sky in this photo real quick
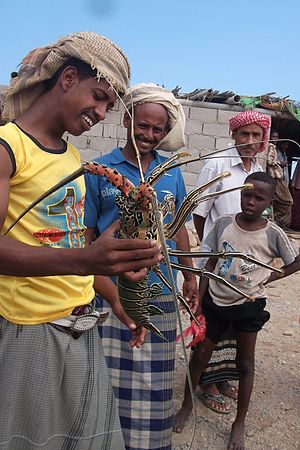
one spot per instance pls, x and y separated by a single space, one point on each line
248 47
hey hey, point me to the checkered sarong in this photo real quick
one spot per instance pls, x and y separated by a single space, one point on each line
143 378
54 391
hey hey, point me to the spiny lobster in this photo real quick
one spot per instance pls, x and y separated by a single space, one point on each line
142 217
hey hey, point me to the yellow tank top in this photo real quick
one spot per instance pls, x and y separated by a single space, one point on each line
57 221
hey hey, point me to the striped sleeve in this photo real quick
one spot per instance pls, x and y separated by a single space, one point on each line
281 245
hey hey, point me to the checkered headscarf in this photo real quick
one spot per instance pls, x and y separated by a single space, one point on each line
248 117
42 63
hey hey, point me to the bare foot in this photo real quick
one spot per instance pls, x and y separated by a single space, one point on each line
180 419
227 389
237 439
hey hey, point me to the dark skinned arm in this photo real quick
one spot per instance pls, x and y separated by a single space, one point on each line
199 222
204 282
189 288
288 270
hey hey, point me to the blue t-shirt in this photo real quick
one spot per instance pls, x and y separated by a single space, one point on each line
100 205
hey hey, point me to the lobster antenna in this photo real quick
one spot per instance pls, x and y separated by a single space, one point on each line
131 115
210 155
137 153
50 191
164 249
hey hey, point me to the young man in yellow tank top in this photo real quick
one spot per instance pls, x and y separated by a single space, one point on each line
54 385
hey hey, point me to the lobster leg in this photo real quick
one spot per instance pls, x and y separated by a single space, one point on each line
113 176
223 254
134 299
204 273
191 201
210 155
161 168
168 206
213 276
178 295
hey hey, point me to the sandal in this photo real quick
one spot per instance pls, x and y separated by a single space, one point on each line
216 403
227 389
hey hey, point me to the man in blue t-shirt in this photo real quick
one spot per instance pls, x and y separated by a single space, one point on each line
143 379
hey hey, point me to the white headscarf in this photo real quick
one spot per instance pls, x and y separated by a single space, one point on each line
151 93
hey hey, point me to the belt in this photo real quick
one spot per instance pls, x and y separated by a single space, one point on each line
82 318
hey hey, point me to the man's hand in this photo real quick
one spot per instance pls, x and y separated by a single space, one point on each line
138 332
127 257
138 335
191 293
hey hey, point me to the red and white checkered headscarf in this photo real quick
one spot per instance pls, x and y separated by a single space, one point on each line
248 117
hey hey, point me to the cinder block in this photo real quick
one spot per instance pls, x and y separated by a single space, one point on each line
94 143
203 114
215 129
193 126
193 152
113 117
77 141
186 111
194 167
224 116
96 130
89 155
199 141
106 145
121 133
109 131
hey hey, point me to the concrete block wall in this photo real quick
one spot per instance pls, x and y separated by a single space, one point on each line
207 129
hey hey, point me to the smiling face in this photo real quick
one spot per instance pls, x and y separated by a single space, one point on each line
251 135
150 126
85 101
255 201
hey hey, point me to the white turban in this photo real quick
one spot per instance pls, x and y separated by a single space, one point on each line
151 93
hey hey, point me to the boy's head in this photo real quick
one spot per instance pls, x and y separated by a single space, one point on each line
255 201
39 68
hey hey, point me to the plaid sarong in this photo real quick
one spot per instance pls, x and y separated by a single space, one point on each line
54 391
143 378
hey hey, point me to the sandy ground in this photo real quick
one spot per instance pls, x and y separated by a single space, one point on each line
273 421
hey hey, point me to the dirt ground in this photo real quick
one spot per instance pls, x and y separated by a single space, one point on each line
273 421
